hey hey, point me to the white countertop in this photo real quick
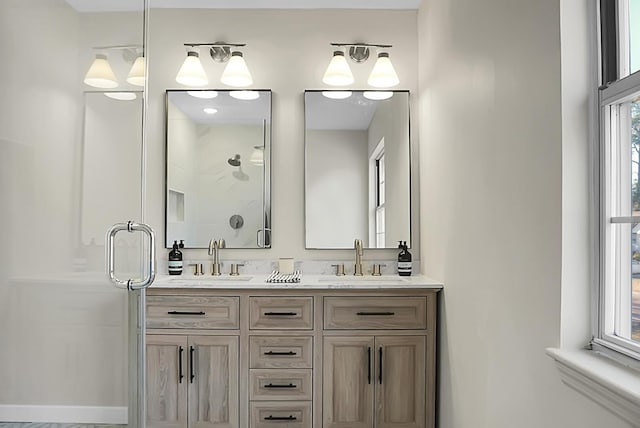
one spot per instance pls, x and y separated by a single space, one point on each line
315 282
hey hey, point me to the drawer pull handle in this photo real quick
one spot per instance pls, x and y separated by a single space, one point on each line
277 385
376 313
286 314
280 418
280 353
192 375
181 373
186 313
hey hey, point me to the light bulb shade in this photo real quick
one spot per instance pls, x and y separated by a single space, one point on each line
337 95
136 74
100 74
338 72
383 74
245 95
377 95
191 73
121 96
236 73
257 156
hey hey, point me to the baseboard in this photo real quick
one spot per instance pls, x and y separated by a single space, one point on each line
64 414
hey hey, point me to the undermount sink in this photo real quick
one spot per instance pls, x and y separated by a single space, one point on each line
210 278
363 279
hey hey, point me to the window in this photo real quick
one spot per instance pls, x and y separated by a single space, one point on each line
618 320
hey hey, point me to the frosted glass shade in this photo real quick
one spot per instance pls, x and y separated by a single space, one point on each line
207 95
121 96
337 95
191 73
245 95
100 74
257 156
383 74
236 73
338 72
377 95
136 74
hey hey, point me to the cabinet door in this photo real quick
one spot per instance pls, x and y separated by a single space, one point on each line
166 389
400 382
348 382
213 382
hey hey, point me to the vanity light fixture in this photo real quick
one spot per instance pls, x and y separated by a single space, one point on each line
383 74
377 95
207 95
136 74
191 72
121 96
337 95
236 73
245 95
100 74
210 110
338 73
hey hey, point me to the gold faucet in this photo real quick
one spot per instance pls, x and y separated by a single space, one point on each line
214 250
358 247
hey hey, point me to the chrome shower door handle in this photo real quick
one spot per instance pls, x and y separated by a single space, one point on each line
131 227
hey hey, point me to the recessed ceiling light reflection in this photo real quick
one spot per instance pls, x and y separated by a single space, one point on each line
337 95
207 95
121 96
210 110
377 95
245 95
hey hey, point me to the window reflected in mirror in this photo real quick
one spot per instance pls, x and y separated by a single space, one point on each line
357 169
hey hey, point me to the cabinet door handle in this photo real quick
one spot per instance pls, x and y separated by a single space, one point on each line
186 313
280 353
277 385
280 418
287 314
380 372
180 373
387 314
369 365
191 375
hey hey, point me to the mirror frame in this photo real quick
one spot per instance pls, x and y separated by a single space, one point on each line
266 182
409 166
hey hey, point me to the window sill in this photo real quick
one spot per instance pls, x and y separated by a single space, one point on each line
608 383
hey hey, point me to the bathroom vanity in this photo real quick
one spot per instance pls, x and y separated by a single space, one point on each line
328 352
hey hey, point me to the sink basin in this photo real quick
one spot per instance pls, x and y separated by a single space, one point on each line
210 278
354 280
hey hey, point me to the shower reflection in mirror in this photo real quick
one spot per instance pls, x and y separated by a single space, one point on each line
217 166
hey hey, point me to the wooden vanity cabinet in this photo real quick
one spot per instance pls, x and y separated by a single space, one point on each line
290 358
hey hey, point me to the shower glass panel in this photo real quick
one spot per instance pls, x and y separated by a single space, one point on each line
71 160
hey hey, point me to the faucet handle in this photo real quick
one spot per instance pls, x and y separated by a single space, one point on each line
234 269
339 269
198 269
377 269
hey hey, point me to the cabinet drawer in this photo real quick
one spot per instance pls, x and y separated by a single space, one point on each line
291 414
194 312
375 313
277 352
281 313
269 384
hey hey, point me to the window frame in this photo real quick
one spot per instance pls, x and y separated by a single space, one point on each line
617 88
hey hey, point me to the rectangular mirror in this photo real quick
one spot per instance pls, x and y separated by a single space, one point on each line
218 168
357 169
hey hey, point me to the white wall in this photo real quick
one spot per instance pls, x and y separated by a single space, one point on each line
337 182
492 143
287 51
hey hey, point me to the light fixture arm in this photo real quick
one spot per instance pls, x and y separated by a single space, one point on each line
359 52
219 51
